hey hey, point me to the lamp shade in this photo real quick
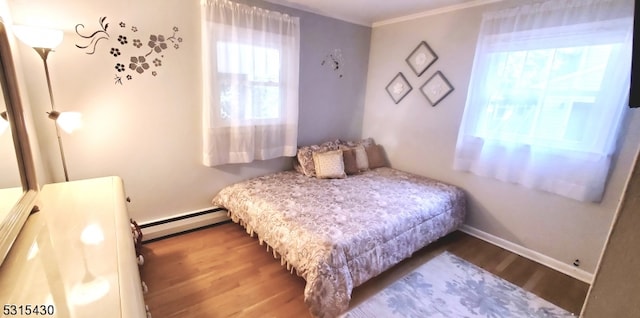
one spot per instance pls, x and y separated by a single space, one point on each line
4 124
38 37
69 121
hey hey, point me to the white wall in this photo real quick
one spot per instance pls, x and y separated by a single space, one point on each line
148 130
421 139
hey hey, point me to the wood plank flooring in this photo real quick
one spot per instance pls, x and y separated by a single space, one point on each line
221 271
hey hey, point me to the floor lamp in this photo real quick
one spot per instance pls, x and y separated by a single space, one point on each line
44 41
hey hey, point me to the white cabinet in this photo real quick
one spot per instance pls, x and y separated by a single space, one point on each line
75 256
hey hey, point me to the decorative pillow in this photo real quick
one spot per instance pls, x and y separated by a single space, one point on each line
350 164
367 142
329 164
296 165
331 145
361 158
305 156
305 159
364 142
375 156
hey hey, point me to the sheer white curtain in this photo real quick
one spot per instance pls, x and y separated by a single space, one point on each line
547 94
250 83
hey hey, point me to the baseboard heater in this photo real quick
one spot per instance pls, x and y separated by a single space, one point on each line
165 228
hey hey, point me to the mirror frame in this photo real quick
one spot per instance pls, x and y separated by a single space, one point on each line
12 224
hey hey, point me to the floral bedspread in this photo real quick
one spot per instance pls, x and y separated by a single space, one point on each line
339 233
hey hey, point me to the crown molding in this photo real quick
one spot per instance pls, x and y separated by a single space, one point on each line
298 6
427 13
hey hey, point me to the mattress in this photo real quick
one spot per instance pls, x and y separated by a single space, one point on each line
339 233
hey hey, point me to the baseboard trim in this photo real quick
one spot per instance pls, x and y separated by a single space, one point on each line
155 230
552 263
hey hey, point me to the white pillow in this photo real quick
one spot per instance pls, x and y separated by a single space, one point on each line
329 164
361 158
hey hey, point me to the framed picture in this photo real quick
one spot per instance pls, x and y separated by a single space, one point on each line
398 88
436 88
421 58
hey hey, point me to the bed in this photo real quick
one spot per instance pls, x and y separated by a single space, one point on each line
339 233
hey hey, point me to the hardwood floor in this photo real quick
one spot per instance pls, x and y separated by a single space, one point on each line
221 271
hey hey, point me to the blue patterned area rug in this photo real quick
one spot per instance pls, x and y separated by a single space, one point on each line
449 287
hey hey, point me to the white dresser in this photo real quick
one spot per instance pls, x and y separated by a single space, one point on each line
74 258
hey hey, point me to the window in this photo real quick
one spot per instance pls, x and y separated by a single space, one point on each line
250 83
545 97
547 93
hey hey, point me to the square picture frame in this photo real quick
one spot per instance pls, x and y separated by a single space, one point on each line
398 88
436 88
421 58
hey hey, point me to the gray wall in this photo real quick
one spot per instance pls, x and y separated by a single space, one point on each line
148 131
421 139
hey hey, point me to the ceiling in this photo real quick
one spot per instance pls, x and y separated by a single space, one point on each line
368 12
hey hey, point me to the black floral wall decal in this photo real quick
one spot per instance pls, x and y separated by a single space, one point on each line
131 56
94 37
